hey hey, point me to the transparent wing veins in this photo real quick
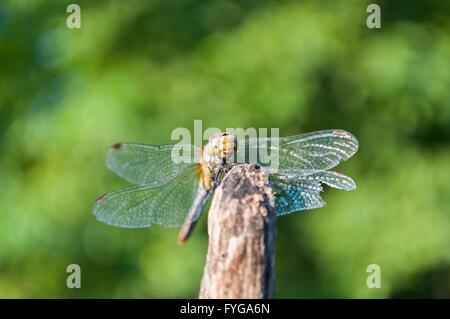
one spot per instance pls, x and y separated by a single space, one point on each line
148 164
297 191
143 205
321 150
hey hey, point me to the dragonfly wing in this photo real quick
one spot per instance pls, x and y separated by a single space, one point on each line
299 191
150 164
143 205
321 150
335 180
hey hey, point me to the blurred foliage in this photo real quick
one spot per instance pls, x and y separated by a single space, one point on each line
138 69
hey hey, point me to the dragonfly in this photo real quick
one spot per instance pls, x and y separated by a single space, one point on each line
173 193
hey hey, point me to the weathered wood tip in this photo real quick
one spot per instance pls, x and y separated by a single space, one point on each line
241 227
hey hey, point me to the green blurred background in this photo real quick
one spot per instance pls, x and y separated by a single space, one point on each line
138 69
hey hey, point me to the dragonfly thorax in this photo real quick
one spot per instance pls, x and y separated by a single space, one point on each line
215 153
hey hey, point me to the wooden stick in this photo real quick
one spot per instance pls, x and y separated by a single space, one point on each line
241 227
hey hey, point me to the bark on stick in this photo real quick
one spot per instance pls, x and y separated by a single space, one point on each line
241 226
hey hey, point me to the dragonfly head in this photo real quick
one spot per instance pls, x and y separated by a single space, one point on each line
222 145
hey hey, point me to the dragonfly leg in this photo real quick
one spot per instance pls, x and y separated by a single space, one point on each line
222 171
